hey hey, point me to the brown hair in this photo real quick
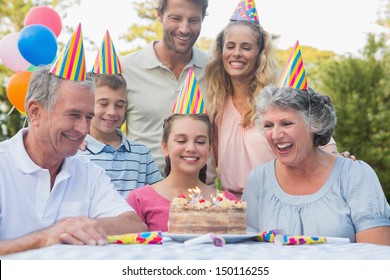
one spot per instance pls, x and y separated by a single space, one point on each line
162 5
167 128
113 81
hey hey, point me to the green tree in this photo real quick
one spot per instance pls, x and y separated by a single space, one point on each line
359 88
384 20
150 29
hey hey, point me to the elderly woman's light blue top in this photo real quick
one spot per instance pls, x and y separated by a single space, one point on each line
350 201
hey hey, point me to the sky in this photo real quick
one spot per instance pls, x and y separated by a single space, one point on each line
337 25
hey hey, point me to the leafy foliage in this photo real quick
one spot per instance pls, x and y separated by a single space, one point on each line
359 88
148 30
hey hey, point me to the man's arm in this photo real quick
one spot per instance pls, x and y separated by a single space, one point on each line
127 222
77 231
24 243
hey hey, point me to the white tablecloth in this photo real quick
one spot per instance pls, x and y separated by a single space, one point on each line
172 250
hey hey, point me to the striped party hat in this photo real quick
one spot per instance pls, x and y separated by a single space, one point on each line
189 101
246 11
107 61
293 74
70 64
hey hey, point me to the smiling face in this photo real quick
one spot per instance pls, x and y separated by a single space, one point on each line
288 135
181 23
188 145
240 52
62 130
110 108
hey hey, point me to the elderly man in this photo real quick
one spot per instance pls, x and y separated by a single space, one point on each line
48 195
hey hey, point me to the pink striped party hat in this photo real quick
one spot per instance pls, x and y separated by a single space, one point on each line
246 11
70 64
293 74
189 101
107 61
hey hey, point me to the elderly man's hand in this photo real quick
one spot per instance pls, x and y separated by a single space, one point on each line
77 231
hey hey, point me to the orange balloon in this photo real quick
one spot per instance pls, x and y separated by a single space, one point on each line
17 89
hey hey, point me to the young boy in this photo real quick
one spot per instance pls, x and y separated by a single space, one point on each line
130 165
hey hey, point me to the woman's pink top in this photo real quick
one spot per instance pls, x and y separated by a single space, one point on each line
239 149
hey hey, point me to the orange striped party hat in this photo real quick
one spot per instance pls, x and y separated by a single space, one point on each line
189 101
246 11
293 74
70 64
107 61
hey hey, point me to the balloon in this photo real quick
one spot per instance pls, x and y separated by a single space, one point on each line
46 16
17 88
22 112
31 68
38 44
10 54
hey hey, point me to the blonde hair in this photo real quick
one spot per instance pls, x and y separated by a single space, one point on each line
218 81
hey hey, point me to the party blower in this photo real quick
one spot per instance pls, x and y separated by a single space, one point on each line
150 237
281 240
269 236
218 241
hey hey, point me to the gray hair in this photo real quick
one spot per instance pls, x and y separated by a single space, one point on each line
316 109
44 87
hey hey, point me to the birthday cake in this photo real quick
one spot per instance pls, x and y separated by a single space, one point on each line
199 216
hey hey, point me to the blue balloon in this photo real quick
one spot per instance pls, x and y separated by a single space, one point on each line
37 44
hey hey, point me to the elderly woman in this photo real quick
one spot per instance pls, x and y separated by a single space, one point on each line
306 191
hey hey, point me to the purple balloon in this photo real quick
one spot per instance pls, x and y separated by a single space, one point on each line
37 44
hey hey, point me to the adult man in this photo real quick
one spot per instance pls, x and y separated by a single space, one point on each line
47 196
156 73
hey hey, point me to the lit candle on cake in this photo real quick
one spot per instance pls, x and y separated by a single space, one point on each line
198 192
192 196
213 199
195 195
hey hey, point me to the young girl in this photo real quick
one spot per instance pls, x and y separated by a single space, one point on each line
186 145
